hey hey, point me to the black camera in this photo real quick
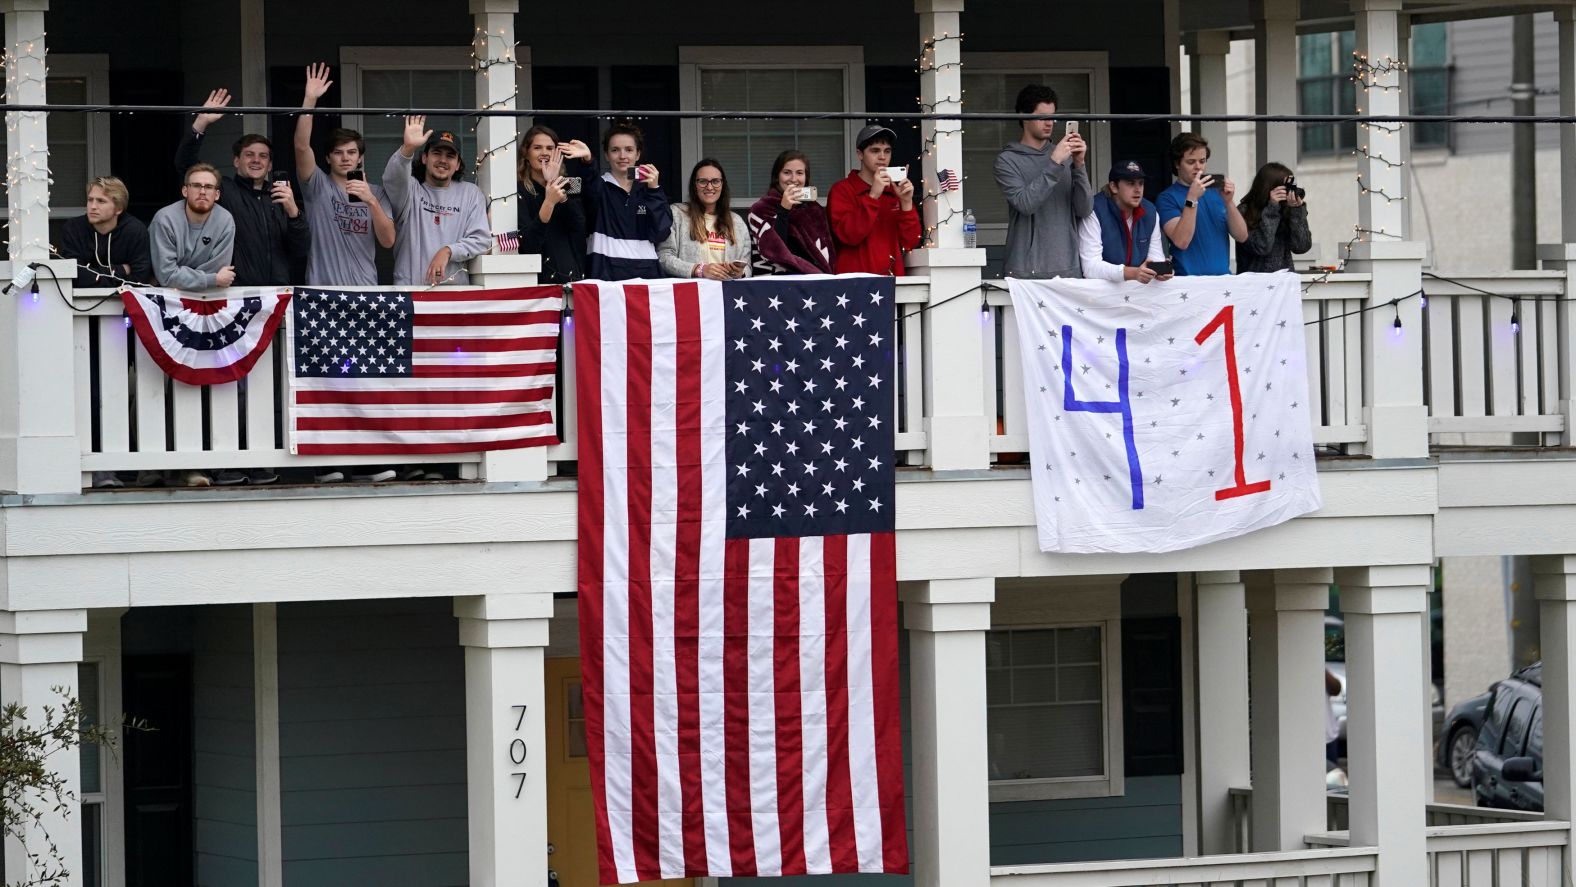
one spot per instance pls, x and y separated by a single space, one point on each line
1291 188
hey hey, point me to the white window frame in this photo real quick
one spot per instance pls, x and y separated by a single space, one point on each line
354 60
102 649
693 59
1072 606
94 68
1095 64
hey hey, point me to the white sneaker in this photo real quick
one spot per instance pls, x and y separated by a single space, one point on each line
330 477
197 479
377 477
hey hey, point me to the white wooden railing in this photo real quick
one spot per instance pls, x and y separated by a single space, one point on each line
1499 854
1491 362
1337 808
1334 867
1485 382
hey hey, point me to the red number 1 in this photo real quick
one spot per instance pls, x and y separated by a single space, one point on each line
1241 487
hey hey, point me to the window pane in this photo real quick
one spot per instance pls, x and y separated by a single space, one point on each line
1346 44
1428 45
1045 703
1078 683
747 148
1033 648
92 845
416 89
1430 94
1033 685
983 139
1075 645
1047 742
1313 55
90 752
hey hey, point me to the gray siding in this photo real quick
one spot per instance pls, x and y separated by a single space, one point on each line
1480 51
224 737
372 744
1145 822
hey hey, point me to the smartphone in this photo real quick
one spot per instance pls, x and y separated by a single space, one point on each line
897 173
738 268
1219 183
1161 267
808 194
572 185
356 175
1072 127
637 173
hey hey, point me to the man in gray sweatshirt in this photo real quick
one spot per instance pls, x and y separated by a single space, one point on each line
442 221
193 239
1047 191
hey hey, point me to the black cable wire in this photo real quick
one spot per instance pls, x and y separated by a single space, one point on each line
1467 286
800 115
44 266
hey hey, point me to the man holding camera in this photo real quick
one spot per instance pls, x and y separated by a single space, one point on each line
1047 191
1197 212
271 232
442 220
1118 240
344 211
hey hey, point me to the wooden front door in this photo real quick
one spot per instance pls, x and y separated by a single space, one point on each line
571 816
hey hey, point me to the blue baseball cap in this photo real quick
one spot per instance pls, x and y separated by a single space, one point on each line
1127 170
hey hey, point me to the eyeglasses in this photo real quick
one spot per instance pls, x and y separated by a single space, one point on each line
201 187
709 183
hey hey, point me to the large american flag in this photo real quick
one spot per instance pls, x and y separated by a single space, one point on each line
453 371
738 604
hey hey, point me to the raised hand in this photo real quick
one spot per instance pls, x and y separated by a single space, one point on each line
219 98
576 149
416 133
317 84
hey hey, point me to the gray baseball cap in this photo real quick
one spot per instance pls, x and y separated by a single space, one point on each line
871 133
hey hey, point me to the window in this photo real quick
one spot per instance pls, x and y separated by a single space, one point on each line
776 78
991 81
1515 738
78 143
408 77
1053 697
92 762
1324 86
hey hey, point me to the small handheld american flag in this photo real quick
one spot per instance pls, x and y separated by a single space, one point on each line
508 242
947 180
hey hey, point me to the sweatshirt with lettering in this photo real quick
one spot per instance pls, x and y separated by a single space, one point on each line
430 219
187 255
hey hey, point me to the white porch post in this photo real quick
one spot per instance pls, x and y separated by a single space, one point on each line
39 651
1286 619
38 443
946 621
1392 385
1220 616
1554 583
1207 52
505 735
1384 727
956 415
1275 79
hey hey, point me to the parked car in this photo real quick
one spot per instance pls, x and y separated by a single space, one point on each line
1507 764
1458 740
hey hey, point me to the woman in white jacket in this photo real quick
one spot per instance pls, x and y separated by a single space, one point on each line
708 240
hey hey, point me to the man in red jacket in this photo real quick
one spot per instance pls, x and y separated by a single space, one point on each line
872 210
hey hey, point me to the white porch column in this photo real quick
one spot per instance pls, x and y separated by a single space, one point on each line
1565 19
1275 80
39 651
505 736
1381 206
1220 616
38 444
1207 52
1554 583
1286 619
956 414
1384 726
946 622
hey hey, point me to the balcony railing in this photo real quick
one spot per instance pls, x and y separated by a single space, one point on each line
1527 854
1347 867
1491 357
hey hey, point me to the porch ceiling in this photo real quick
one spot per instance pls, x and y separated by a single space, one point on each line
1236 16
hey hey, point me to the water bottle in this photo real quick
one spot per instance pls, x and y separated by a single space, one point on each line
971 230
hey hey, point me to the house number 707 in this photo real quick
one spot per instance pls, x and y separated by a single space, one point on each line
517 752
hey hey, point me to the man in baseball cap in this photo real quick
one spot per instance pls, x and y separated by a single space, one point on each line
872 211
442 220
1118 240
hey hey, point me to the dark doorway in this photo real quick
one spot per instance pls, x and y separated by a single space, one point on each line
158 770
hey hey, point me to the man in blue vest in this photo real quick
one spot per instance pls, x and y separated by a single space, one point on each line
1118 240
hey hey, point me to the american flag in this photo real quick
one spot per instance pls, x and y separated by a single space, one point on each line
947 180
452 371
508 242
738 601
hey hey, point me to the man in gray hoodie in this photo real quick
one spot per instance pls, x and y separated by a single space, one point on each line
1047 191
193 239
442 221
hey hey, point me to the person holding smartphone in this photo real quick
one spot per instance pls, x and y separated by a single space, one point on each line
345 212
789 230
872 210
1277 220
552 215
272 237
1118 240
1047 190
629 213
1197 212
706 240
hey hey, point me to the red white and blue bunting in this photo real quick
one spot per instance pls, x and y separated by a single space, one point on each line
205 341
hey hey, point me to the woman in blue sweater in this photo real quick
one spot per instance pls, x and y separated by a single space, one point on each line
629 213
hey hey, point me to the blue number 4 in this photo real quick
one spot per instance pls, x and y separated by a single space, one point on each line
1122 404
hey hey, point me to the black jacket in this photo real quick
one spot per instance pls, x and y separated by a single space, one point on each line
561 242
121 253
1281 231
267 242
